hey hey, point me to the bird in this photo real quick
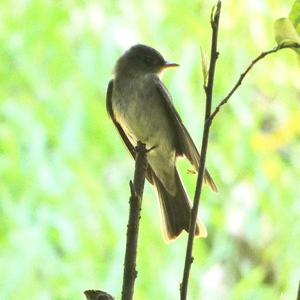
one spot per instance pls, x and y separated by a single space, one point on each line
142 109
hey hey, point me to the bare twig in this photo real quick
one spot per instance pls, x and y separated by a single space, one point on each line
209 90
243 75
136 188
135 202
298 294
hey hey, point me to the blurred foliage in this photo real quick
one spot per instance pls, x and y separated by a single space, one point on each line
64 171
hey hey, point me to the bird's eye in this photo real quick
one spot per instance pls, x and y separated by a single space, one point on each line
148 59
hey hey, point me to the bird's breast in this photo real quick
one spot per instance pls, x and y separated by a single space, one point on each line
140 112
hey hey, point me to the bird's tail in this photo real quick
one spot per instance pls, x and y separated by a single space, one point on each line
176 210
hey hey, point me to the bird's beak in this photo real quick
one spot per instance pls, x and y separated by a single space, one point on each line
169 65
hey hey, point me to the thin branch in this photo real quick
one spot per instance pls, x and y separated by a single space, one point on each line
243 75
136 188
298 294
209 91
135 202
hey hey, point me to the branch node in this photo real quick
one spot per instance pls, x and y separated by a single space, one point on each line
140 148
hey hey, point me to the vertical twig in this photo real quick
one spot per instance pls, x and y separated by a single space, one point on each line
137 188
135 202
298 294
209 90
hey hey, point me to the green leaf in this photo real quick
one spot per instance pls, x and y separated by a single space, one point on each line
294 15
285 32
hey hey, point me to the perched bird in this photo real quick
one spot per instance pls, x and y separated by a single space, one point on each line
142 110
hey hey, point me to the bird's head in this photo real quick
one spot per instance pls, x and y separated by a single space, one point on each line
141 59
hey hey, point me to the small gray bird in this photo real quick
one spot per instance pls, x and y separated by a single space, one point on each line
142 110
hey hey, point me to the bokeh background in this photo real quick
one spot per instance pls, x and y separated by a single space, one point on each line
64 171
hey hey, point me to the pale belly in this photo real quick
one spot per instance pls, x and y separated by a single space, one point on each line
146 121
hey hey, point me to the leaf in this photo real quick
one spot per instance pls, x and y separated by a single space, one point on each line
285 32
294 15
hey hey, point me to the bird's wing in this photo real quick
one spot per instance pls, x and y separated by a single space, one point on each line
185 145
120 130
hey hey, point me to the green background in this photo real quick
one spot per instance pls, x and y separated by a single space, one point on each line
64 171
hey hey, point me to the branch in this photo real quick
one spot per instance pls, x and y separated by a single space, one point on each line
243 75
135 202
298 294
209 91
